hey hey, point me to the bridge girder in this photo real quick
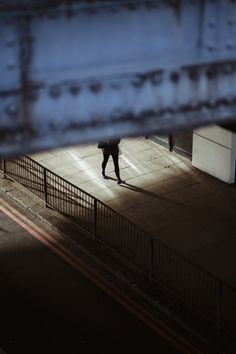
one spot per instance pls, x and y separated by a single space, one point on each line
78 71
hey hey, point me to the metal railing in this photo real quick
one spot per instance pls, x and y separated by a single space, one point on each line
197 288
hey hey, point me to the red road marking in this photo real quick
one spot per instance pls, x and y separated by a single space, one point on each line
64 253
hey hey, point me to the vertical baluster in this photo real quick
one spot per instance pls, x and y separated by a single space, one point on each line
94 219
45 187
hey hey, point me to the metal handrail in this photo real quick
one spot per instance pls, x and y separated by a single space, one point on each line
195 286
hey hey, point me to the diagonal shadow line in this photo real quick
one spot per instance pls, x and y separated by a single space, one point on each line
141 190
151 194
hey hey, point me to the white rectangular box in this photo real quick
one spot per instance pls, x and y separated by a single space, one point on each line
214 152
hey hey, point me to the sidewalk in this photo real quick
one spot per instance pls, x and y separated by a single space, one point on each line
184 208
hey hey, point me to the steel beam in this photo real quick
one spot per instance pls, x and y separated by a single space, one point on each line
78 71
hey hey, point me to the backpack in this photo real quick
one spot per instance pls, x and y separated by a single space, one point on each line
102 144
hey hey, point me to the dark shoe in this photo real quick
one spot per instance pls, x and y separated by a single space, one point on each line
120 181
103 174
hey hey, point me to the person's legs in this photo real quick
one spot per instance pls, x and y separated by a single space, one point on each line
117 169
104 163
116 165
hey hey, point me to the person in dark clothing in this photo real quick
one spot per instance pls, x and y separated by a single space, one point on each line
111 147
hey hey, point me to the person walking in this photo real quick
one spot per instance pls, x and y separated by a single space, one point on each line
111 148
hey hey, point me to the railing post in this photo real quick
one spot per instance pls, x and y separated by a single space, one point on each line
4 168
219 305
45 187
151 258
95 206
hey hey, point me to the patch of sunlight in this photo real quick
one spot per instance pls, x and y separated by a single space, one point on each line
133 162
96 179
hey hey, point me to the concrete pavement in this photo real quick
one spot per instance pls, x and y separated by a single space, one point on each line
183 207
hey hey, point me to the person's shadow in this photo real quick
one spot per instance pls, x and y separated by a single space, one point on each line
138 189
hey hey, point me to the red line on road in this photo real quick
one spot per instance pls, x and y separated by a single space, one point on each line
64 253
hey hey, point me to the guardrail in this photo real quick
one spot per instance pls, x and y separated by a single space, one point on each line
197 288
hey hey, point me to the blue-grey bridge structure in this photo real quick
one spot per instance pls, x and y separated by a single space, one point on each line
78 71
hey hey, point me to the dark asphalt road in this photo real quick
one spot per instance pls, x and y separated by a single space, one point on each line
46 306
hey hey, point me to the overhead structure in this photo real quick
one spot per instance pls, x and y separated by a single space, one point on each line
78 71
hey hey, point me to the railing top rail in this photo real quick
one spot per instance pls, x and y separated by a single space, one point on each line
138 228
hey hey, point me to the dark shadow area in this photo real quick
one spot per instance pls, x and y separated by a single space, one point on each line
47 307
125 238
151 194
141 190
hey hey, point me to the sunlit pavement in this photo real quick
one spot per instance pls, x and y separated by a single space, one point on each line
183 207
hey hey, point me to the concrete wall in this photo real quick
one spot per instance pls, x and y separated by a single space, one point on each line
214 152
